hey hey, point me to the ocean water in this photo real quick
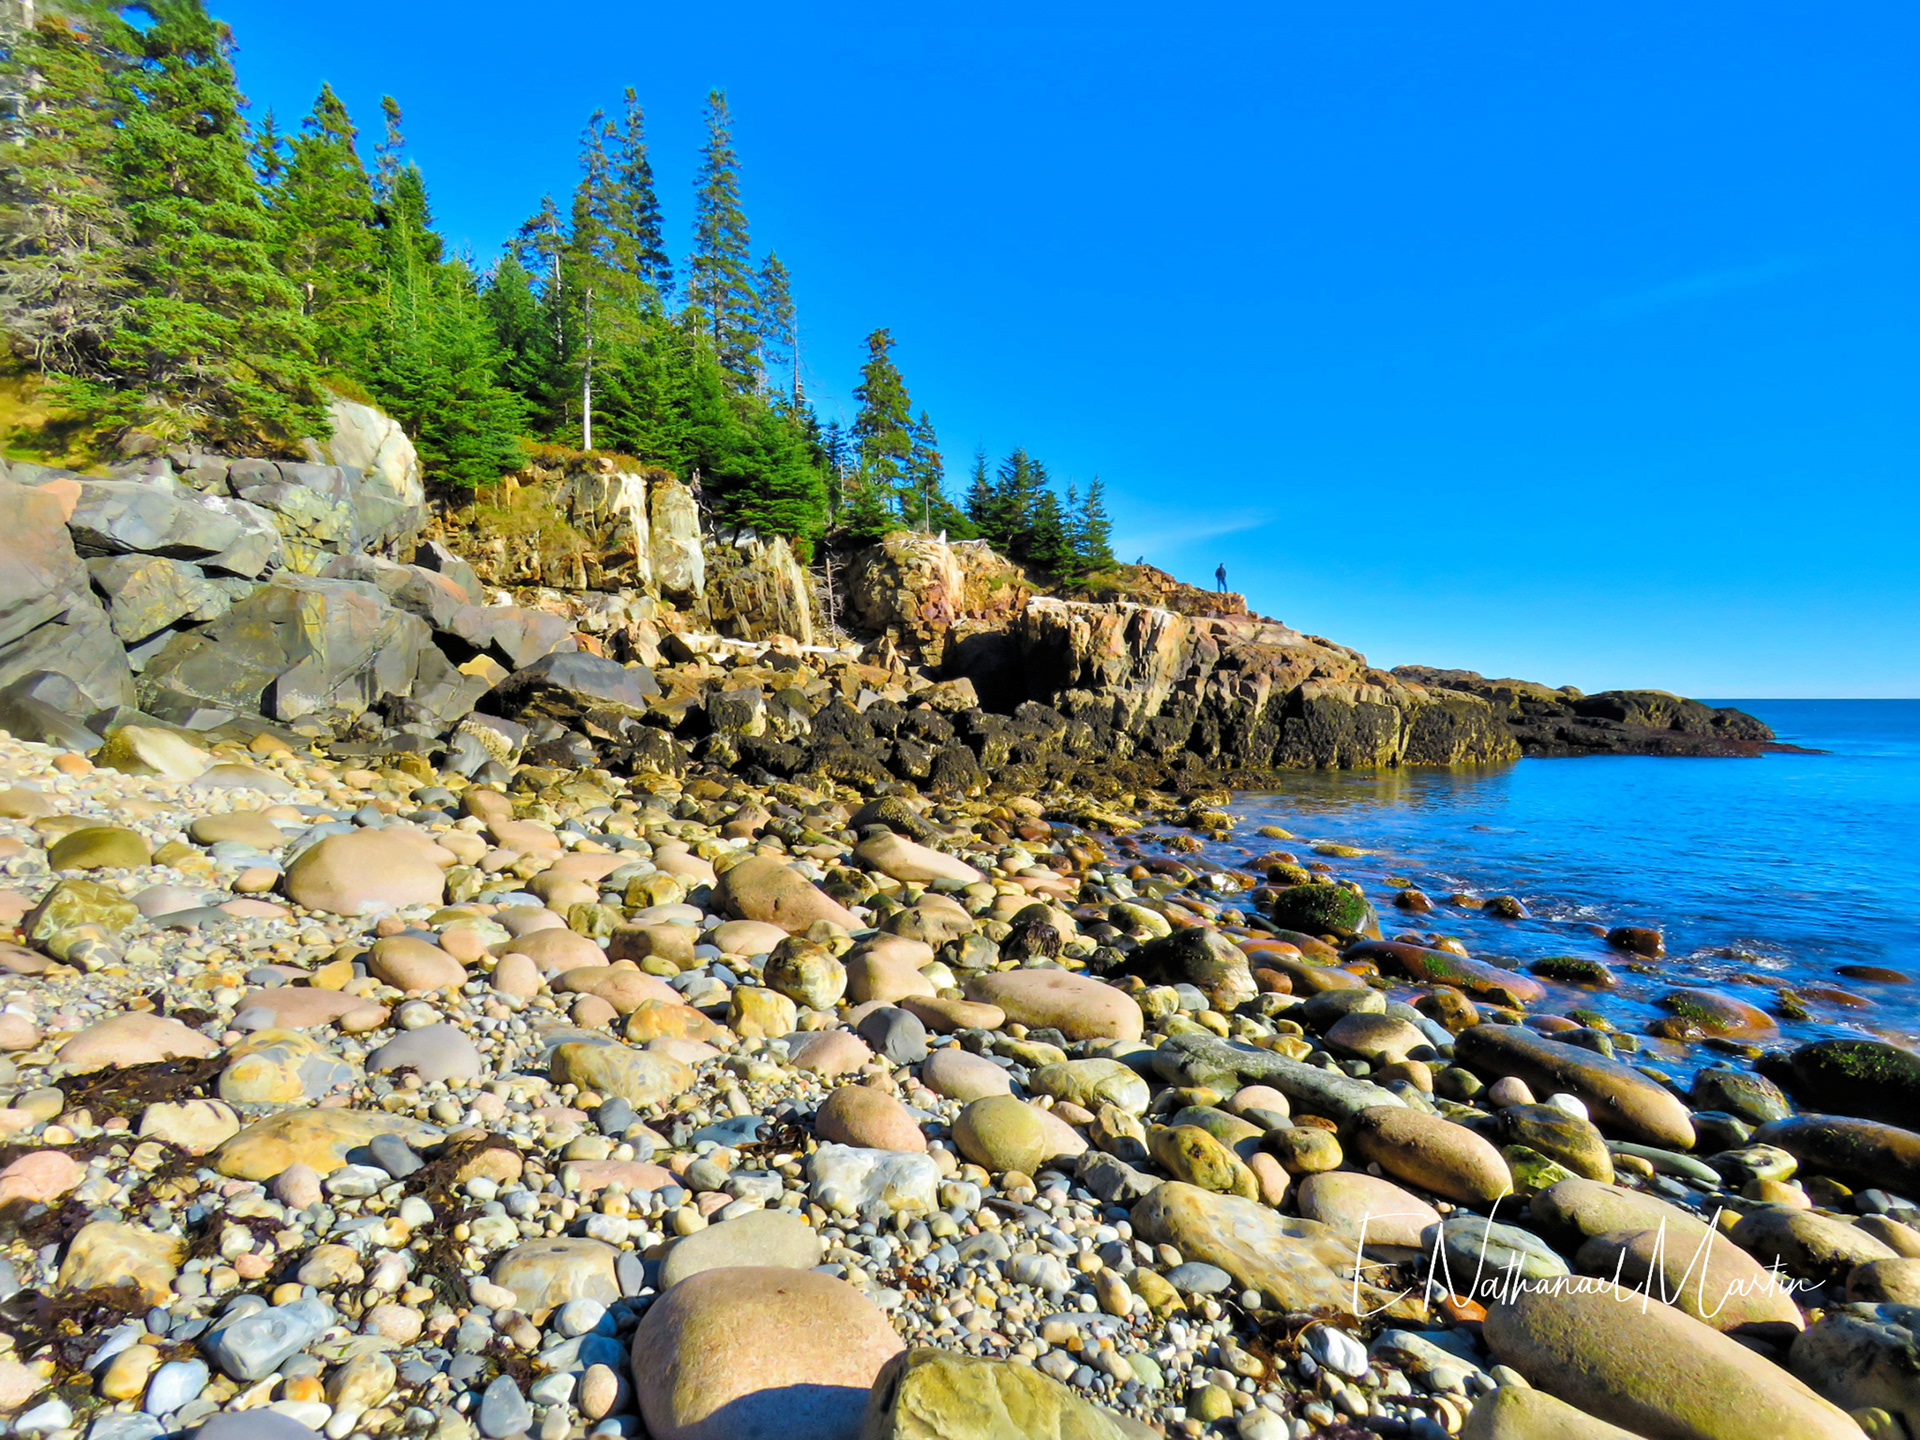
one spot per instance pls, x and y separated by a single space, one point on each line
1763 873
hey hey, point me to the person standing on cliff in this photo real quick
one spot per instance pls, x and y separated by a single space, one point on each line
1220 579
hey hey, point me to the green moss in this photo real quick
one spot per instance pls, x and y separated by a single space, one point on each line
1573 970
1324 909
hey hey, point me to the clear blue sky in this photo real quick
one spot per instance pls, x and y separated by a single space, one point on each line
1575 342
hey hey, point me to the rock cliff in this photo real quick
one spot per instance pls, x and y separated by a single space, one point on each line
585 615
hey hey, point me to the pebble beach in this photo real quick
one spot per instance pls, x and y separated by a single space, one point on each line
380 1102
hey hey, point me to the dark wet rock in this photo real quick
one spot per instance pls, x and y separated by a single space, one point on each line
1617 1096
1867 1078
1325 910
1443 967
1201 957
1864 1152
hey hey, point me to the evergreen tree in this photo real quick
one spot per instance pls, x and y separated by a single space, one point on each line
836 457
980 494
210 324
926 476
520 331
434 358
1009 515
779 335
388 152
633 218
1093 531
1045 541
64 229
883 428
325 242
720 275
270 152
868 512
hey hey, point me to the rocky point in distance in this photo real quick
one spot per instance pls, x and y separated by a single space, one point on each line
622 1009
329 597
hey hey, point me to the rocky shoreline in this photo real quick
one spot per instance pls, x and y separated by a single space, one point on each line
552 984
384 1100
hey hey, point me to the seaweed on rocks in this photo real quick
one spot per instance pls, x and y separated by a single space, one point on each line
129 1089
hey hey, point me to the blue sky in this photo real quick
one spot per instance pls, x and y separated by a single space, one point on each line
1575 342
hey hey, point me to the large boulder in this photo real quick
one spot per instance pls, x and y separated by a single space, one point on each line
568 684
753 1353
756 590
919 590
928 1394
50 622
1652 1370
679 561
296 646
382 471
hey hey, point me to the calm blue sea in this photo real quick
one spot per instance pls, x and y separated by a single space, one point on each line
1763 872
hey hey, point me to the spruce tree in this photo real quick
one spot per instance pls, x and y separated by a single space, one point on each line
980 496
926 476
836 455
779 333
1045 542
634 212
720 275
210 324
1093 531
883 428
64 230
521 333
325 241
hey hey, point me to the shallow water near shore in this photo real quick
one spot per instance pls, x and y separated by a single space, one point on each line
1776 870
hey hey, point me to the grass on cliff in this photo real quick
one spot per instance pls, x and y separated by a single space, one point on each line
34 428
524 514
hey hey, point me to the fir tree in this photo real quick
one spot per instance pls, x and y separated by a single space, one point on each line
323 211
883 428
433 367
720 276
527 360
926 476
269 152
980 494
64 229
1045 541
634 210
835 453
210 323
387 153
1093 531
779 335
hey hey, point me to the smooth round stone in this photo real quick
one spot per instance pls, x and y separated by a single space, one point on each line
99 847
768 1238
1806 1244
503 1409
1003 1133
943 1016
1378 1039
767 889
1195 1277
366 870
174 1384
960 1075
1476 1256
320 1138
1618 1097
1653 1370
894 1034
1433 1153
1093 1083
158 900
1703 1273
1388 1220
861 1115
435 1052
903 859
759 1354
877 977
1517 1412
414 965
828 1053
554 949
244 827
135 1038
1080 1007
546 1274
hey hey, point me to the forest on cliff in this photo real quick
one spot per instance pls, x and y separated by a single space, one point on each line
172 273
